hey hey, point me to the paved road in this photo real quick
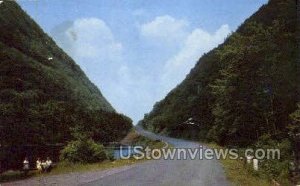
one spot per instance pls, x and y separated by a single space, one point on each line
154 172
168 172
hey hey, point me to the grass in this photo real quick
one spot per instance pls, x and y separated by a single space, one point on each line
14 175
62 167
133 138
243 174
238 173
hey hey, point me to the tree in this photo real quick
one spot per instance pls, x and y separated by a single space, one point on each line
252 97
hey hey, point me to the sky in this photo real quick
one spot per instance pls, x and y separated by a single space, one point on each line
136 51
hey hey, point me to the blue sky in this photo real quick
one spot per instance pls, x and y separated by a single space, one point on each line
136 51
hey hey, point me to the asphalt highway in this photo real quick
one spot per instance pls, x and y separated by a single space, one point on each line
168 172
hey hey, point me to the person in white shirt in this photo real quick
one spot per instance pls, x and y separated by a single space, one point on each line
39 165
48 165
26 165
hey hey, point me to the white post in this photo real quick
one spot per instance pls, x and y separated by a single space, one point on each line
255 164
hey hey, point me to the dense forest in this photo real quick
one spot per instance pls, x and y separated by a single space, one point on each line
44 94
245 93
243 90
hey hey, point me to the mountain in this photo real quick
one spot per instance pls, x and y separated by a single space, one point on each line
44 94
241 91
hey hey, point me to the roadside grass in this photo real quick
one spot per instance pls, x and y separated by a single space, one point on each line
63 167
14 175
238 173
133 138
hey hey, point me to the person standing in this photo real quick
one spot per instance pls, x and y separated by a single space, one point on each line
48 166
39 165
26 166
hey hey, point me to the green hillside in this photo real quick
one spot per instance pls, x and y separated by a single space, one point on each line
242 90
44 94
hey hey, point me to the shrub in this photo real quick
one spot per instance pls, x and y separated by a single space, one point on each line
278 168
83 151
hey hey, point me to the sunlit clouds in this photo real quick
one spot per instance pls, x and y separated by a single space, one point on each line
131 86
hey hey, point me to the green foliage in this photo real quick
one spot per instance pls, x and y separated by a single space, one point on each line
243 89
83 150
277 169
42 98
252 97
294 127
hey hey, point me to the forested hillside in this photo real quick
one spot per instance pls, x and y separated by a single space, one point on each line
243 90
43 93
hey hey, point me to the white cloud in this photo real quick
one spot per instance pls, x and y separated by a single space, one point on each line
93 46
165 29
89 38
196 44
133 86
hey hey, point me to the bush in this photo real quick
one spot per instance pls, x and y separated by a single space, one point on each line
277 169
83 151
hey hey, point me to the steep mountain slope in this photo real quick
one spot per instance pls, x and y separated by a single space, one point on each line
43 93
243 89
19 32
